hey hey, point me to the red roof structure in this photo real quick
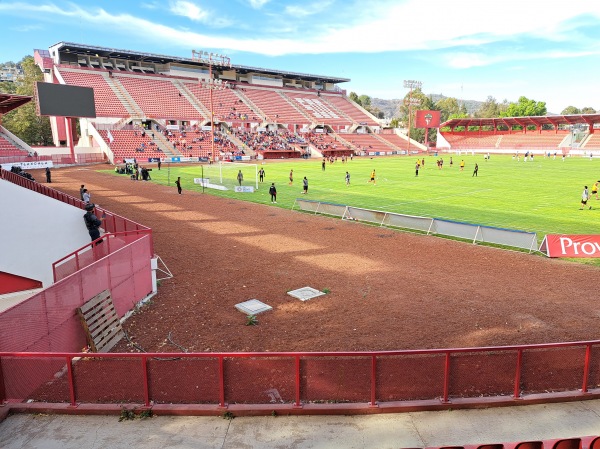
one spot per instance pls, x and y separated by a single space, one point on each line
537 121
9 102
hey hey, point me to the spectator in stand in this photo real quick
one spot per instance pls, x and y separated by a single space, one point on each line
273 193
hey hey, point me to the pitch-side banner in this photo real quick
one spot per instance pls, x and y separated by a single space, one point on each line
587 246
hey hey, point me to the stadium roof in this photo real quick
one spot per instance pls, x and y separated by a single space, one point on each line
8 102
83 49
555 120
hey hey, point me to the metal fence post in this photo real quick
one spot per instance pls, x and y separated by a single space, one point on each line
517 392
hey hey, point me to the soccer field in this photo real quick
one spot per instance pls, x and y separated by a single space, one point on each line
542 196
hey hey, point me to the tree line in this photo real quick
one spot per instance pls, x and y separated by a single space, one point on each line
451 108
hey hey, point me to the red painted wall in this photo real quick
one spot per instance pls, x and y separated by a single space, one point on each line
10 283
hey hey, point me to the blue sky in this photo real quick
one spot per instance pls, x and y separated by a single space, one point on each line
547 51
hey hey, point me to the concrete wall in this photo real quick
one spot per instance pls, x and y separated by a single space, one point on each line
36 231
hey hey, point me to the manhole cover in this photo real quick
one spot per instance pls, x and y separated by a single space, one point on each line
253 307
305 293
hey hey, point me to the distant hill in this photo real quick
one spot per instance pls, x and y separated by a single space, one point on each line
391 107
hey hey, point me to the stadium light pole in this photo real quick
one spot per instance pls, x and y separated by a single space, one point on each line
211 59
411 84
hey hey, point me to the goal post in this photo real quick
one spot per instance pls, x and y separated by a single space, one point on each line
226 174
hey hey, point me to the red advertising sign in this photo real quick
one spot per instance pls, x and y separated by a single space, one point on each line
571 246
428 119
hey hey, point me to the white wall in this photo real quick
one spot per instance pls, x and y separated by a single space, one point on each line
36 231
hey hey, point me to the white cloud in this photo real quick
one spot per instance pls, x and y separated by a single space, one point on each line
387 26
300 11
26 28
189 10
257 4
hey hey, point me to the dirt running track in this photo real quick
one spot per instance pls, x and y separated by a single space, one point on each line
388 290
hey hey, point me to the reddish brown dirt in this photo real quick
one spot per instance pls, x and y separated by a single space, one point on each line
388 290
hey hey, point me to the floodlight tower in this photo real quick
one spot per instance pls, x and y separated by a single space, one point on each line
210 59
411 84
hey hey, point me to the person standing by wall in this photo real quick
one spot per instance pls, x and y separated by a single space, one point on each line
86 196
273 193
159 164
48 175
240 177
178 184
92 222
81 189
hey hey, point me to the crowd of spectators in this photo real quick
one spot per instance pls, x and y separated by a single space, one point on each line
281 140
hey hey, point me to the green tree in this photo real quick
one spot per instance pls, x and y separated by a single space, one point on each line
588 110
525 107
365 101
6 87
569 110
354 97
489 109
23 121
449 108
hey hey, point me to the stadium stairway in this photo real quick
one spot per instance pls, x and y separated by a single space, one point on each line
126 100
192 99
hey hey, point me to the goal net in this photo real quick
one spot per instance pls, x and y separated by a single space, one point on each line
226 174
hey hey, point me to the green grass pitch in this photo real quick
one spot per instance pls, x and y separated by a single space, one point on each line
542 196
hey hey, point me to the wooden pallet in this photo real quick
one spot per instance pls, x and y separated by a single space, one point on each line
100 322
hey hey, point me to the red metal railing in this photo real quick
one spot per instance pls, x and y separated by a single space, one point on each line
373 379
94 251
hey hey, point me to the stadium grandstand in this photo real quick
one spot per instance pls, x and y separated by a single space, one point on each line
562 134
166 96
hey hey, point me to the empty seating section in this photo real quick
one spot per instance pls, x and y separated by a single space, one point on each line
107 103
366 142
593 142
585 442
275 107
128 143
461 141
158 98
227 106
319 110
350 109
530 140
8 149
397 141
